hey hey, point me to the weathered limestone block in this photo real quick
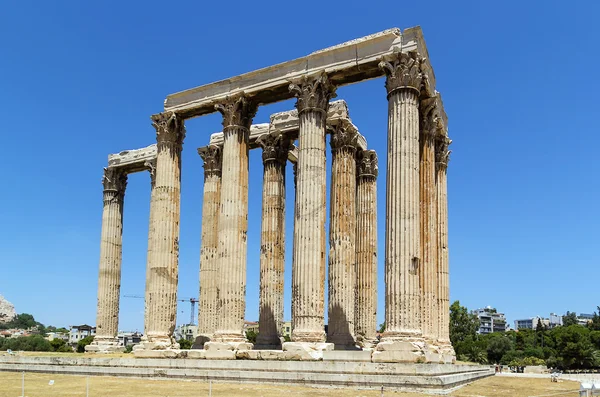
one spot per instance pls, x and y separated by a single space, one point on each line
403 300
133 160
220 354
209 266
233 219
109 279
342 237
308 265
305 351
162 277
365 323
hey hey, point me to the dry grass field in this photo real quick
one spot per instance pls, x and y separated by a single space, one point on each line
38 385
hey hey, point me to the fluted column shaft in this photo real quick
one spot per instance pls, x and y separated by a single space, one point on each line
272 247
308 266
365 323
442 157
429 271
233 220
151 166
111 244
402 262
161 291
207 305
342 237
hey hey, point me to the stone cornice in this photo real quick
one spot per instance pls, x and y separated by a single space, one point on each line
237 111
403 71
275 148
170 129
114 180
313 93
347 63
211 155
367 164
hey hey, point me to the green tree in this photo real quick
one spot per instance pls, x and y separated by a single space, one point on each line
497 347
539 327
574 347
381 328
462 324
569 319
594 325
83 343
185 344
251 336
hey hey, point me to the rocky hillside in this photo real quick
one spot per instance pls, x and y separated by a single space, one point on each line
7 310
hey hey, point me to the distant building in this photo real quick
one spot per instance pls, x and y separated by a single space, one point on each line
554 321
58 335
186 331
490 320
584 319
78 332
129 338
286 327
531 323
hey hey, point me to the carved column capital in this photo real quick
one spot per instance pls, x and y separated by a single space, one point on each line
403 71
211 155
442 154
237 111
115 182
367 164
170 130
313 93
431 123
151 167
275 148
344 137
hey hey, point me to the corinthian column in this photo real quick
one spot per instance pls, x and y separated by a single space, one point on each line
442 156
342 237
161 293
308 266
233 220
151 166
402 340
109 278
207 307
428 272
365 320
272 247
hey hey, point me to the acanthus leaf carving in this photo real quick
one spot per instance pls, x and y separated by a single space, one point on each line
403 70
114 181
442 153
367 164
151 167
170 130
211 155
344 136
313 93
237 111
275 148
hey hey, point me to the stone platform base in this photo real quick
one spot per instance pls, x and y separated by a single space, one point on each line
428 378
104 348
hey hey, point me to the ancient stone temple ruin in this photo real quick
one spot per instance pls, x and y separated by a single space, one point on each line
416 232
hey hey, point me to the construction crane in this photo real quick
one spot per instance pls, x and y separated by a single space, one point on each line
192 301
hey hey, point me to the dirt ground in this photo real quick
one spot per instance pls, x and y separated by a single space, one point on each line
48 385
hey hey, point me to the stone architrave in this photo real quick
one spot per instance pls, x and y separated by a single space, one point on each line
365 321
272 247
308 265
161 293
442 156
209 266
111 245
237 114
402 339
428 273
342 237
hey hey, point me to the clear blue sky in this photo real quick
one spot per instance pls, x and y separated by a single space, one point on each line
79 80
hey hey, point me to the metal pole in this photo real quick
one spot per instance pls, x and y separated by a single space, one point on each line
23 384
381 390
210 388
87 386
